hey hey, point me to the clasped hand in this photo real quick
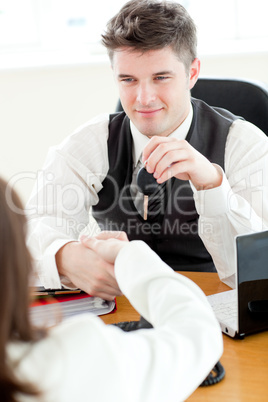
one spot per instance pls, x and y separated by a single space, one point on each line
168 157
89 263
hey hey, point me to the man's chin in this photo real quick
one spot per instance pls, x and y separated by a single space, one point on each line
149 133
149 130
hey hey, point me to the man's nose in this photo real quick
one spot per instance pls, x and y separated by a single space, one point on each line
146 94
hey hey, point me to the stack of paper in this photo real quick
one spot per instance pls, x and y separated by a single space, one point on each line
53 306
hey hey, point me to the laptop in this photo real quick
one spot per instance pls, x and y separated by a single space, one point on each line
244 310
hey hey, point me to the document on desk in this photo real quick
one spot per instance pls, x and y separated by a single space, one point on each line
52 306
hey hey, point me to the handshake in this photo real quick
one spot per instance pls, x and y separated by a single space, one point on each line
106 244
89 263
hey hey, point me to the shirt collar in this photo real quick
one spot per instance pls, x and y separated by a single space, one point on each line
140 140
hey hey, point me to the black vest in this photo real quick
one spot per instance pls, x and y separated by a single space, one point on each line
175 237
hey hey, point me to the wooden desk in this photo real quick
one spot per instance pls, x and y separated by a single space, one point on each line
245 361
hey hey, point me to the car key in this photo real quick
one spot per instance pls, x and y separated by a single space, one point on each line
147 185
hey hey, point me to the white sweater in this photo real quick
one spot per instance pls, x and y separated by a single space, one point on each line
82 359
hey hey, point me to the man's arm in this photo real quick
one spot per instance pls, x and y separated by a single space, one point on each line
58 209
240 204
230 203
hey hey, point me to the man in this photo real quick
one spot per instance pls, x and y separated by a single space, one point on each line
214 164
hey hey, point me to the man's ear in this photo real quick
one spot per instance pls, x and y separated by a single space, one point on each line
194 72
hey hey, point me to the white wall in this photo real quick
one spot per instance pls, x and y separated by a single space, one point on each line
39 107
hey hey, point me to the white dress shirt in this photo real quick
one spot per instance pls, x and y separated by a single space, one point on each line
68 185
82 359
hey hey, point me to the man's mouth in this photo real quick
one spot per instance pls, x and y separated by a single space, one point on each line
148 112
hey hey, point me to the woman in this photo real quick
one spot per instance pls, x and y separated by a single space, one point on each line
82 358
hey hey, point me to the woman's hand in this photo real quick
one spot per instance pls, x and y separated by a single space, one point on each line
107 244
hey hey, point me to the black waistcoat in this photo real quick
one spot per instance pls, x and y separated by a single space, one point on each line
175 238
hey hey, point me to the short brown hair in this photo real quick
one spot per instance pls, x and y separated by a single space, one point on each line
150 25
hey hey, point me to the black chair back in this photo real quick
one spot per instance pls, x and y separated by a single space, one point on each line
245 98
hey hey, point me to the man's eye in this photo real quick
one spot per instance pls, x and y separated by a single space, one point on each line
161 78
127 80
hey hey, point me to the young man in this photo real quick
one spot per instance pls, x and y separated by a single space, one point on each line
214 164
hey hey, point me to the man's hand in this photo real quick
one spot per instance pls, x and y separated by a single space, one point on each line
87 270
167 157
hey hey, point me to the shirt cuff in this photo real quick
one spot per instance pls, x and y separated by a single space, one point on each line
49 275
215 201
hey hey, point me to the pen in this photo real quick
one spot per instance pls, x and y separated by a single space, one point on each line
48 292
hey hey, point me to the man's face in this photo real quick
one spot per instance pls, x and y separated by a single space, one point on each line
154 88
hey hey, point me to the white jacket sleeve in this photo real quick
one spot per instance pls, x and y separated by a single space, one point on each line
173 359
84 359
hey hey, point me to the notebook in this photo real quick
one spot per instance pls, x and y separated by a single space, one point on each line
52 305
244 311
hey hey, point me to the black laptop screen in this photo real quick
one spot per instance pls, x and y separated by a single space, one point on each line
252 282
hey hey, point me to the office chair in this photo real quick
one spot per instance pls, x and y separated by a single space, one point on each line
245 98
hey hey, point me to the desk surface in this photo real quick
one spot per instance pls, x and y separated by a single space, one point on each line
245 361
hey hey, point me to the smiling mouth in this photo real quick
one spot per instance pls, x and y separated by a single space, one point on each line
148 112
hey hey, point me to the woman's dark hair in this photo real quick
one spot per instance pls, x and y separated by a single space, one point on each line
15 270
151 25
